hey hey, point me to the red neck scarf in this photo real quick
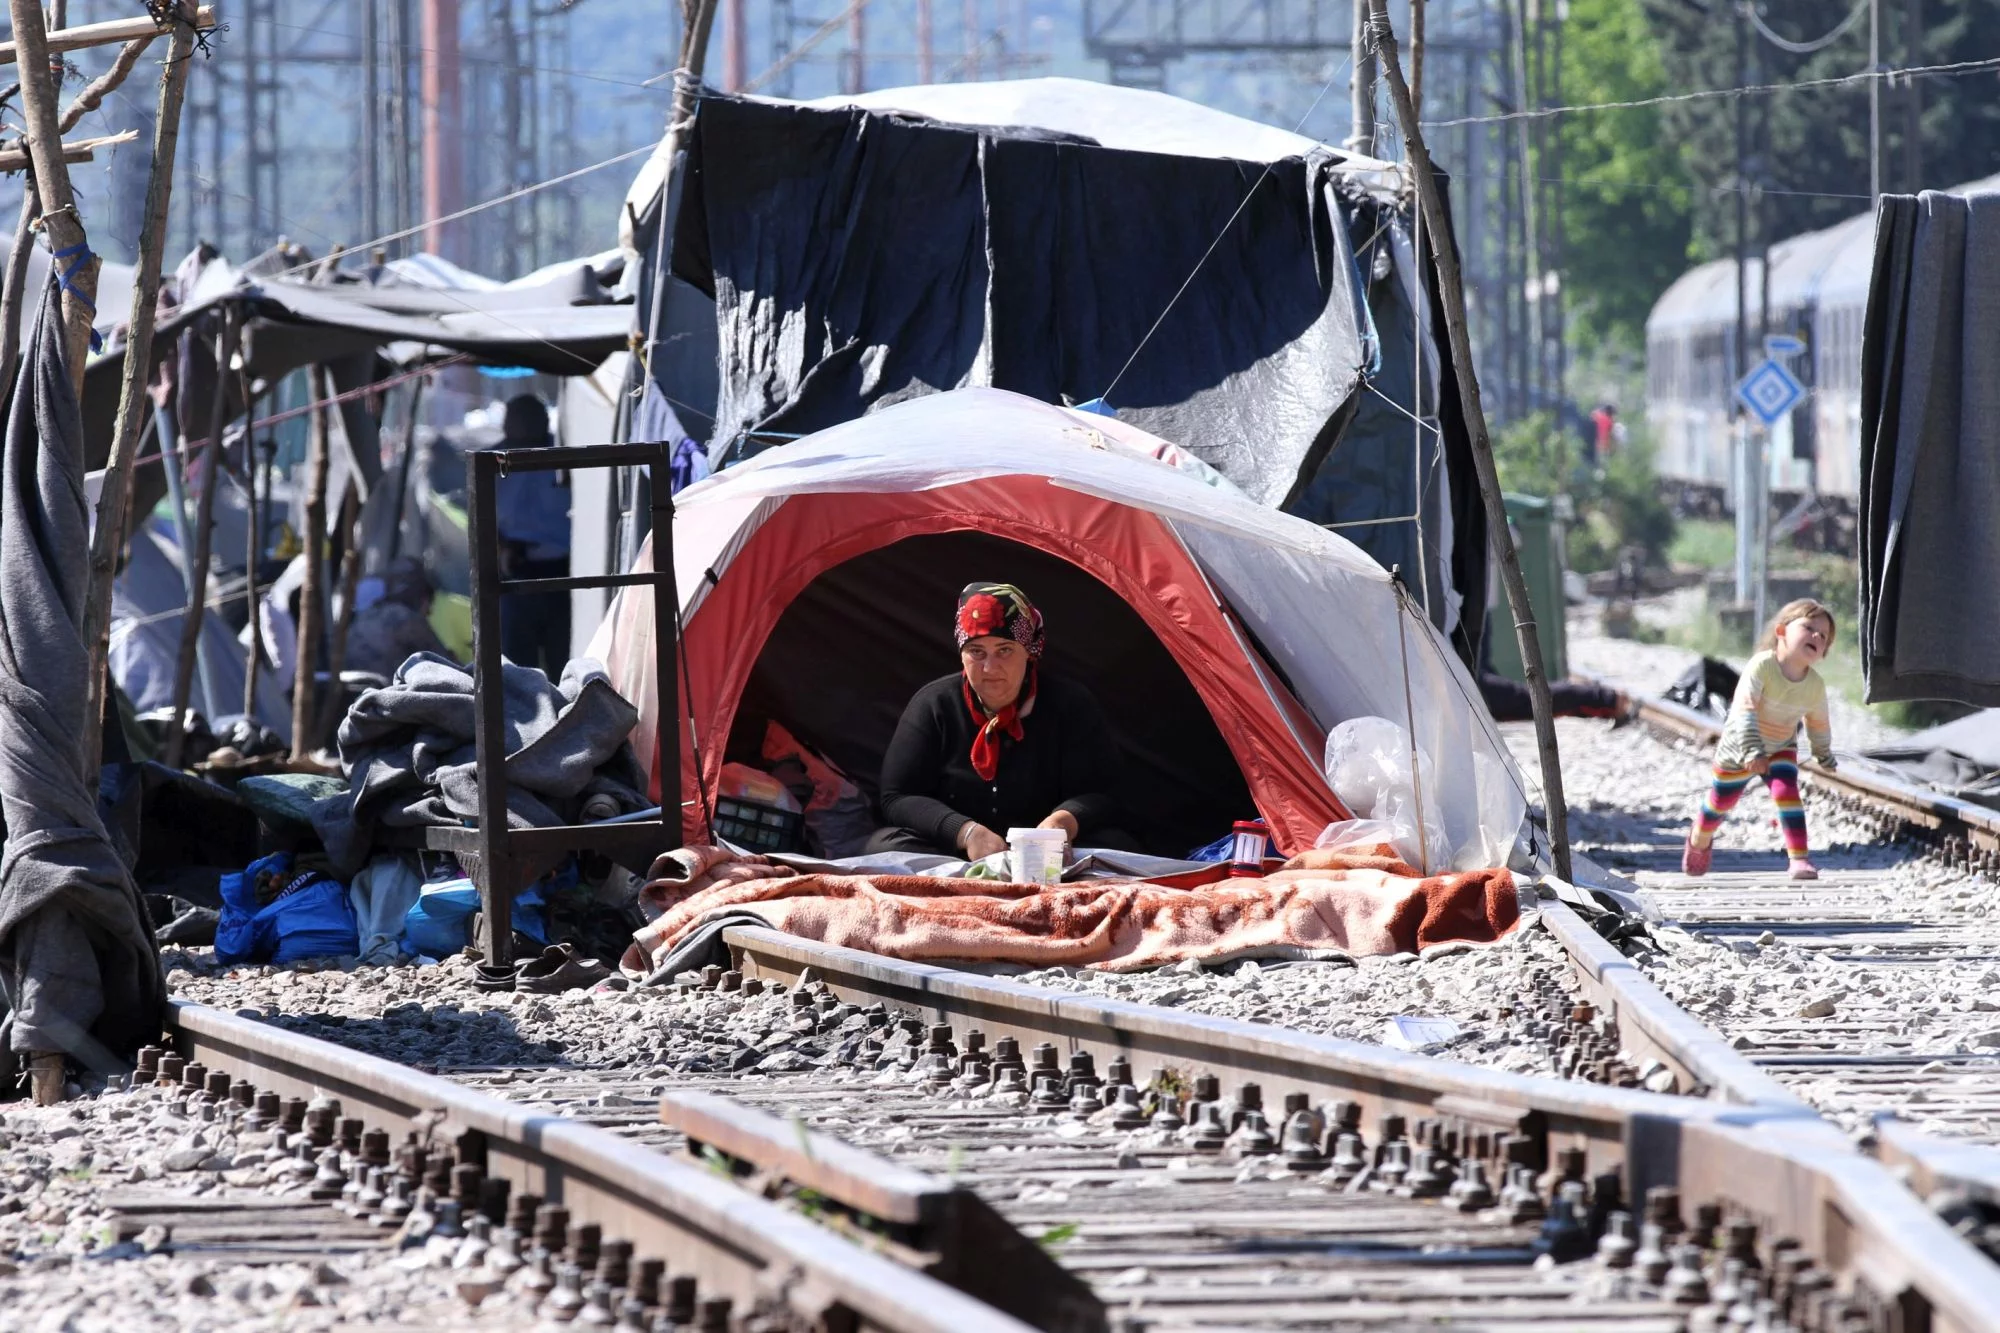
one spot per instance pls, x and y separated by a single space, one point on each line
986 741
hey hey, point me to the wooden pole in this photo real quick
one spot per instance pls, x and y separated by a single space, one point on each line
1417 56
1452 292
210 473
114 499
15 284
350 577
108 82
315 548
87 35
68 243
253 548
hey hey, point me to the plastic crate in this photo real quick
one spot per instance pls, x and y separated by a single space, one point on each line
757 827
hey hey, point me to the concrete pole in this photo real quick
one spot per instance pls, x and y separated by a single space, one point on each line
1361 114
444 181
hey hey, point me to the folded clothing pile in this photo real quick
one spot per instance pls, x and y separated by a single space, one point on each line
408 753
1325 903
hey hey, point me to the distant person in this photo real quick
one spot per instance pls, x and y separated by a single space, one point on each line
534 544
1779 692
391 620
1509 701
1609 435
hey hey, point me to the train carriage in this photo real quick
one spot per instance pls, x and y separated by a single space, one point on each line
1818 293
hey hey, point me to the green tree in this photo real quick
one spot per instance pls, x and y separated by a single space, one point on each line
1808 149
1628 198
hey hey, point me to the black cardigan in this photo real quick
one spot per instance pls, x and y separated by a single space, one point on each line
1066 759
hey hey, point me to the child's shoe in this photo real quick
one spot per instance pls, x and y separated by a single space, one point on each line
1804 870
1694 860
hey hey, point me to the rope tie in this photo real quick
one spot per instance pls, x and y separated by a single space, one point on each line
65 278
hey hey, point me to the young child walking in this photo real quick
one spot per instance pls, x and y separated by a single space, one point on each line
1779 692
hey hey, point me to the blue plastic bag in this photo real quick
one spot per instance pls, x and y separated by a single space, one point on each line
235 928
310 919
439 923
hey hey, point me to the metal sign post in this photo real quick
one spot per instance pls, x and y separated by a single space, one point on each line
1768 393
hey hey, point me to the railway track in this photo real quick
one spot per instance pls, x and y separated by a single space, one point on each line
1248 1215
1203 1227
941 1149
1861 1059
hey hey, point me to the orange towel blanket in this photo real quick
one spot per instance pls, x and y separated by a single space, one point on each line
1320 904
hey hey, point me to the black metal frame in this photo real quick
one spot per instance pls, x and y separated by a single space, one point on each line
504 860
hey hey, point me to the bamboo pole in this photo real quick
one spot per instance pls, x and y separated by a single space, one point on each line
309 592
114 499
87 35
1452 292
67 241
204 536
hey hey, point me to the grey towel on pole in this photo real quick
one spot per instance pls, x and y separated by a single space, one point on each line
76 948
410 760
1930 452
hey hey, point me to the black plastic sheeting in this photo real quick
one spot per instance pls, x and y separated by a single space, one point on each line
851 649
1930 452
857 259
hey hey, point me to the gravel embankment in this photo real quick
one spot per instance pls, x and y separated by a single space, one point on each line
1631 796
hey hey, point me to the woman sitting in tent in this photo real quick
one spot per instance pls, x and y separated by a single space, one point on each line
998 745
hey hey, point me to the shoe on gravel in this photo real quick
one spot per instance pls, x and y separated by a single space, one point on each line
1804 870
559 968
1695 860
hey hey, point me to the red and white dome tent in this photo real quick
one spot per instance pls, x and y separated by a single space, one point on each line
1223 638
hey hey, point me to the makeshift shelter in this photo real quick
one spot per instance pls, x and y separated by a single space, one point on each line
1223 639
1930 451
1251 294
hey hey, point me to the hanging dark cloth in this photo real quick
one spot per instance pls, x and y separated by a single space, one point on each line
77 959
1930 452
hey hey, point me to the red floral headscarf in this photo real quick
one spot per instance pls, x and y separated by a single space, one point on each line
1002 609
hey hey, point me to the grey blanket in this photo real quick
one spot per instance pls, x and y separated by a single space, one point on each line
1930 452
76 948
410 760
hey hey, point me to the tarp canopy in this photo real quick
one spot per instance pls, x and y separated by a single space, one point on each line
562 320
832 559
1250 294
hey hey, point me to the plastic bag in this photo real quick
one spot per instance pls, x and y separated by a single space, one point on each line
1355 833
309 919
1367 763
235 926
745 783
439 923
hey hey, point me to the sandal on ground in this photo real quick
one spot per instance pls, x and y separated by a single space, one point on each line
1695 860
1804 870
559 968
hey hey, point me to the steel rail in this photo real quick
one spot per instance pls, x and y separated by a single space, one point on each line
1775 1162
741 1246
1649 1023
1961 829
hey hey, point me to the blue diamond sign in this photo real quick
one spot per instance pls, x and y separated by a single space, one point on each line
1769 391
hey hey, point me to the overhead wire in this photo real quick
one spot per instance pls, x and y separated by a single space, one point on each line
1804 48
1861 77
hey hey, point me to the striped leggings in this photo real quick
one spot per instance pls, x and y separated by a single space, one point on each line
1727 790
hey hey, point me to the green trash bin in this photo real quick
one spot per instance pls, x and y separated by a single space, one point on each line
1538 531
